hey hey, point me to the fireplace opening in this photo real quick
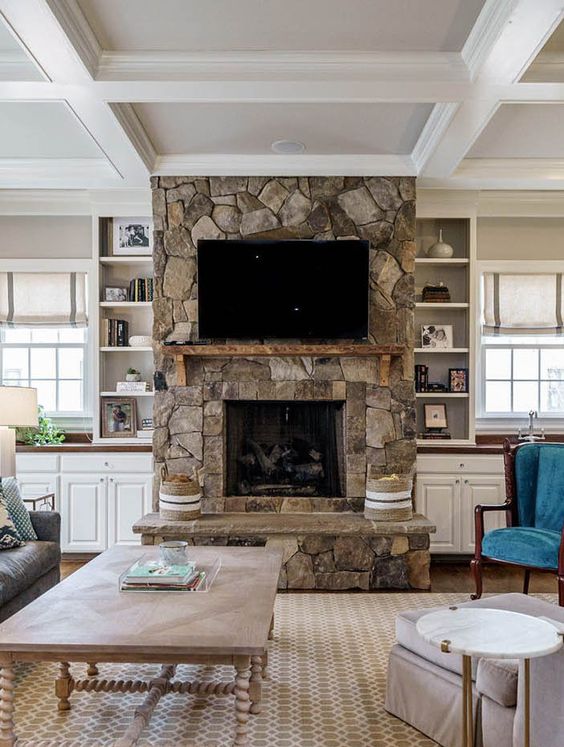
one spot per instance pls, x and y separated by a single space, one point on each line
284 448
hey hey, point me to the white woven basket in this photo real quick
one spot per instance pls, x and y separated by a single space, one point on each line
389 498
179 501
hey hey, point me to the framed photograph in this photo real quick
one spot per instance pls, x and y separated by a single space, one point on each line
458 380
115 294
119 417
437 336
132 236
435 416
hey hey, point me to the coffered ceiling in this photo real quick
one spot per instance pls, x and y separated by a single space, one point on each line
104 93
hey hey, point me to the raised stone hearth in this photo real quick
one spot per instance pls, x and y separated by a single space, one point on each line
320 551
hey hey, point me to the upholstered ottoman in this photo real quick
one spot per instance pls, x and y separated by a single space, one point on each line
424 685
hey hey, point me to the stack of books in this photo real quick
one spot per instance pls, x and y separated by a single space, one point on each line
437 435
115 333
141 289
152 576
421 377
435 294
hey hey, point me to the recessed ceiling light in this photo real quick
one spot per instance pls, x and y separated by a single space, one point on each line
287 147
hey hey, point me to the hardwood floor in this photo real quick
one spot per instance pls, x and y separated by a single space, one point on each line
446 577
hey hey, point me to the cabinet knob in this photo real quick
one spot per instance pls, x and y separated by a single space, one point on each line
458 482
106 464
101 479
112 479
466 482
461 466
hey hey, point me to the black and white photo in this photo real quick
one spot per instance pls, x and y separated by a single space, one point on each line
115 294
132 236
436 336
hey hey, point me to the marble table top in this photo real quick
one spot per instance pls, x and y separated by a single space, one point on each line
498 634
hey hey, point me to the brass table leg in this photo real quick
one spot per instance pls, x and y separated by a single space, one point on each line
527 685
467 713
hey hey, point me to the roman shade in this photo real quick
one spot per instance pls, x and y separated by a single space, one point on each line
43 299
522 304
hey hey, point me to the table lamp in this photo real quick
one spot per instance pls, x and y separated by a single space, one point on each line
18 408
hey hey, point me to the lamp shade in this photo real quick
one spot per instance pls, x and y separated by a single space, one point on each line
18 406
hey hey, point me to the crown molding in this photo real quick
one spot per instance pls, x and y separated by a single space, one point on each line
134 130
78 31
516 168
521 204
261 65
300 165
490 23
64 173
432 134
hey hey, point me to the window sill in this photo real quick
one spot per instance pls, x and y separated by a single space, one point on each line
512 425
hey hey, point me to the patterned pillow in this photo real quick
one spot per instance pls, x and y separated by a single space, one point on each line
9 536
19 514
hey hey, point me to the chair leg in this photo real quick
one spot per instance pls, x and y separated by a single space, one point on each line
476 569
561 591
526 581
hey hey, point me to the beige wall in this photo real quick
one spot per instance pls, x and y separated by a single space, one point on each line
521 238
40 237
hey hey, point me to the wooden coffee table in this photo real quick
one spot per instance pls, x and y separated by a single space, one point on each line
87 619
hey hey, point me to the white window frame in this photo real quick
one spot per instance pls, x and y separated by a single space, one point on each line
69 421
507 422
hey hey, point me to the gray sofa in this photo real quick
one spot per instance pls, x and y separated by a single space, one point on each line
424 685
28 571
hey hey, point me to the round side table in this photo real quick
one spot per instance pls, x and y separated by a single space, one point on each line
488 633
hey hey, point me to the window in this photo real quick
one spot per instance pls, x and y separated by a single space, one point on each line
51 360
521 374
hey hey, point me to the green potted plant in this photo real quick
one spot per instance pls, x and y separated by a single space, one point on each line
133 375
46 433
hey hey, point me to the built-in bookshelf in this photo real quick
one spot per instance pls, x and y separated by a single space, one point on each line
456 273
131 318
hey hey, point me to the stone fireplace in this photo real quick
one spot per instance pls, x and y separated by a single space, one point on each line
285 442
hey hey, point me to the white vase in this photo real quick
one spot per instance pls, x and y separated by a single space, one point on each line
440 249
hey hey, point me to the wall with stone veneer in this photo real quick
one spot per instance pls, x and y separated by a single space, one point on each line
380 422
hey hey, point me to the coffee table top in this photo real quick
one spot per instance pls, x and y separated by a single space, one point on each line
87 612
499 634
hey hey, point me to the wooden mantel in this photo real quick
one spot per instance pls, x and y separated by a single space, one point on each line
359 350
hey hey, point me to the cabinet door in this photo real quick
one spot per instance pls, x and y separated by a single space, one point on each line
438 497
477 490
83 513
129 497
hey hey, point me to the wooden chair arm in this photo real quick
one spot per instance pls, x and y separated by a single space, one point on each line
479 512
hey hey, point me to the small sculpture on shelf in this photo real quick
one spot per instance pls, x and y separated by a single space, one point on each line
440 249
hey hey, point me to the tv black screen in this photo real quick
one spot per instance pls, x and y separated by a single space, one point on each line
283 289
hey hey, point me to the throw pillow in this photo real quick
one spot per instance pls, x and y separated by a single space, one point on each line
19 514
9 536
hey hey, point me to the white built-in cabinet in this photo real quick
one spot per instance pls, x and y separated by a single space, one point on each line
448 489
99 496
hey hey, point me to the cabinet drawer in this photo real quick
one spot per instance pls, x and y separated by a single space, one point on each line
486 464
37 462
110 462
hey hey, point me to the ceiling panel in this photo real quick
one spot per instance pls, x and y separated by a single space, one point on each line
252 128
15 64
522 131
43 130
214 25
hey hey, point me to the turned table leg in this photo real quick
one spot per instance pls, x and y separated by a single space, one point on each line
63 686
255 685
242 699
7 731
92 670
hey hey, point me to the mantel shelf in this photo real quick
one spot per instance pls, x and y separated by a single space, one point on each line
361 350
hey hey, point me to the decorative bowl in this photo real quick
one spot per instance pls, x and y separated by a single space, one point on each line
140 341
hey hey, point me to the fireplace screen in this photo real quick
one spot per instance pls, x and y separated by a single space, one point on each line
284 448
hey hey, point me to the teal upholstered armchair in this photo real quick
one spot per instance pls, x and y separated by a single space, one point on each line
534 507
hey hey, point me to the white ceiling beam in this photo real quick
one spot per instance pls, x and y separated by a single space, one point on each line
526 27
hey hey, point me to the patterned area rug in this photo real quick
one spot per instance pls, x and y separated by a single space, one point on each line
327 679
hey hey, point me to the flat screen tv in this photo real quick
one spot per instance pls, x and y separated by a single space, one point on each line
283 289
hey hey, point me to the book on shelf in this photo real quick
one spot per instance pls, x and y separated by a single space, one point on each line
435 436
115 333
421 377
141 289
132 386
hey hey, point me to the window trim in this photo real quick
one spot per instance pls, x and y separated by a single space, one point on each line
495 422
72 421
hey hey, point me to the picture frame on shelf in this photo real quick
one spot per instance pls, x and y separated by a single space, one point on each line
132 236
435 415
436 336
115 294
119 417
458 380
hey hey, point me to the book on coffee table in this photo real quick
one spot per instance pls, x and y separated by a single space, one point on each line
148 575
